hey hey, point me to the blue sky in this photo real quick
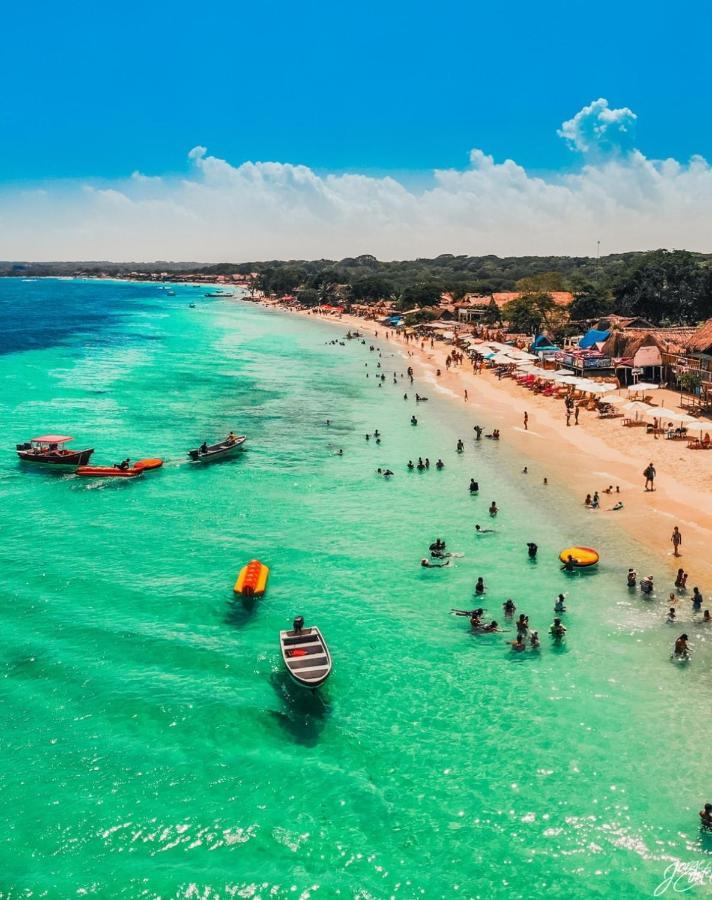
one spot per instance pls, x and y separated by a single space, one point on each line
103 89
256 130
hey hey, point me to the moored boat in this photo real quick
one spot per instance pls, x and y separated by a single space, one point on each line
209 452
305 654
50 450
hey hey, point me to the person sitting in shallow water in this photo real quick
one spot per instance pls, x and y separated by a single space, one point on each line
671 617
534 641
557 630
410 464
474 486
509 608
439 464
681 650
559 606
632 578
518 644
493 509
480 585
413 420
460 446
646 584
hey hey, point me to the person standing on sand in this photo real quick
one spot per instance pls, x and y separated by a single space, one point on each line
465 395
650 473
676 541
568 417
526 420
576 415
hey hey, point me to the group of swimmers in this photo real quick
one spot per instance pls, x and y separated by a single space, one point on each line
424 464
525 638
681 649
594 502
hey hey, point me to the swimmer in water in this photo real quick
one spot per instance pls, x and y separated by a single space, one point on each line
413 420
525 470
478 432
671 618
426 564
489 629
569 565
439 464
618 506
559 606
509 608
523 624
518 644
493 509
681 650
646 585
532 550
410 464
706 817
632 578
534 641
460 446
557 630
697 600
706 617
681 580
421 464
474 486
480 530
480 586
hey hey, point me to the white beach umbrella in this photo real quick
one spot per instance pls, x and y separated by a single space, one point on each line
597 387
642 387
565 378
641 409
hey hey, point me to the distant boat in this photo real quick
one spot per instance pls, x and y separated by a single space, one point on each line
170 292
218 294
50 450
191 305
210 452
305 655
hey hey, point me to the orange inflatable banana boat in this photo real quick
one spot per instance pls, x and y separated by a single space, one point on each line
108 472
252 580
145 464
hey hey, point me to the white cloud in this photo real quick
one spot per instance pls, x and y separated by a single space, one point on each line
261 210
599 129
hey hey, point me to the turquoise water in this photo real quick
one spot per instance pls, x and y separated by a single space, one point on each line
151 744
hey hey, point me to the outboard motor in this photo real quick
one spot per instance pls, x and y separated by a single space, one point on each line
298 624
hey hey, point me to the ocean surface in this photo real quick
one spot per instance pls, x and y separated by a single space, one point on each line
151 744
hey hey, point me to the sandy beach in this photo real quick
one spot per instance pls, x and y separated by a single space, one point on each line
587 457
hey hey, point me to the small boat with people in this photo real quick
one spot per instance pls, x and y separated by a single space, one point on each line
120 470
218 294
50 450
305 654
209 452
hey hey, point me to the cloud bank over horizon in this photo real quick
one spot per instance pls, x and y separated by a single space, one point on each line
266 210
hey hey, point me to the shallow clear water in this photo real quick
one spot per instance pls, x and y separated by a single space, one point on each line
151 745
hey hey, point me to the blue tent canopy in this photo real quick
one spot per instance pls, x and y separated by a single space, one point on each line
542 342
592 336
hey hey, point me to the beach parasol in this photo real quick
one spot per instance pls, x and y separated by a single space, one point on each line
641 409
596 387
642 387
565 378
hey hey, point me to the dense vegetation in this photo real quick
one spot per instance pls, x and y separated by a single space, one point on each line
666 287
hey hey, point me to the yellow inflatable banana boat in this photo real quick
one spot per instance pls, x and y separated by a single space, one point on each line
252 580
582 556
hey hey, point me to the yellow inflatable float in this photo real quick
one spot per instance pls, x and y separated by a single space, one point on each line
252 580
582 556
